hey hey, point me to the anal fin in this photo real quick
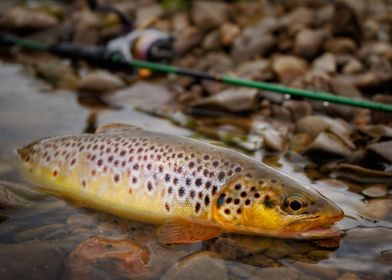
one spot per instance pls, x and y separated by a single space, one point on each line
181 231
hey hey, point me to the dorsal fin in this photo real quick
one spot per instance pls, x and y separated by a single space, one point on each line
116 127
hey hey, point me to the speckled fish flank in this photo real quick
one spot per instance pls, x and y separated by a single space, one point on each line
157 178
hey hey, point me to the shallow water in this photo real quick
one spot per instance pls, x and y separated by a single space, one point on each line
28 113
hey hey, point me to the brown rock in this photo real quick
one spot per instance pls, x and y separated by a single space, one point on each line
203 265
288 68
340 87
101 258
212 41
38 259
100 81
340 45
228 32
24 18
382 117
208 14
325 63
353 66
252 42
346 20
376 191
309 41
298 109
188 39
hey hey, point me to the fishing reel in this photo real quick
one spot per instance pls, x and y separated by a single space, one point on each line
149 44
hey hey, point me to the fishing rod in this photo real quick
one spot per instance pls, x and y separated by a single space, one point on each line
117 55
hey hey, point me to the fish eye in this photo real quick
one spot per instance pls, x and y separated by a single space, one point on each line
295 205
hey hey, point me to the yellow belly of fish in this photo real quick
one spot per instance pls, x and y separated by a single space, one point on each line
102 194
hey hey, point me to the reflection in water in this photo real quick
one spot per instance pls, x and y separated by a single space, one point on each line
52 228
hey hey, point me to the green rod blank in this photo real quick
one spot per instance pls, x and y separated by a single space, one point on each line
316 95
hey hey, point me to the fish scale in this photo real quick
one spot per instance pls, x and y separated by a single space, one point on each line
151 177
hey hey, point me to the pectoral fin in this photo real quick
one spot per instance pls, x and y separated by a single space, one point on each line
181 231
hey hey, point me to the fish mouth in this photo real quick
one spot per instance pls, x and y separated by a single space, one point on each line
318 231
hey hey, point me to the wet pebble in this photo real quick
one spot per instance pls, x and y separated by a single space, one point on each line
16 195
48 232
348 276
203 265
228 32
24 18
208 14
376 191
379 208
102 258
309 41
287 68
340 45
326 63
100 81
281 273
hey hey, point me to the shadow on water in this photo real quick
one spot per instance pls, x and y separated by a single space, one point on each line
46 231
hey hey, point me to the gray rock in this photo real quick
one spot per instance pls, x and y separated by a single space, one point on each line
250 43
298 109
288 68
281 273
208 14
200 266
309 41
382 149
234 100
52 231
325 62
13 195
188 39
40 259
341 87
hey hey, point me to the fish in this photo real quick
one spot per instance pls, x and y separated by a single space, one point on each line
194 190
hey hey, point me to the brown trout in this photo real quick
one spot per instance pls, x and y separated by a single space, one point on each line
195 190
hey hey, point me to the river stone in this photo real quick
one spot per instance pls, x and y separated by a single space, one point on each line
38 259
353 66
233 100
209 14
340 45
341 87
281 273
325 62
288 68
382 149
228 32
14 195
376 191
199 266
24 18
251 43
51 231
308 42
100 81
101 258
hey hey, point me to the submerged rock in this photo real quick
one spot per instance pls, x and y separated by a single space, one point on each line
13 195
233 100
38 259
204 265
102 258
326 63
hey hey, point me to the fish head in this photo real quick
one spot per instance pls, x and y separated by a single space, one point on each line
279 206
